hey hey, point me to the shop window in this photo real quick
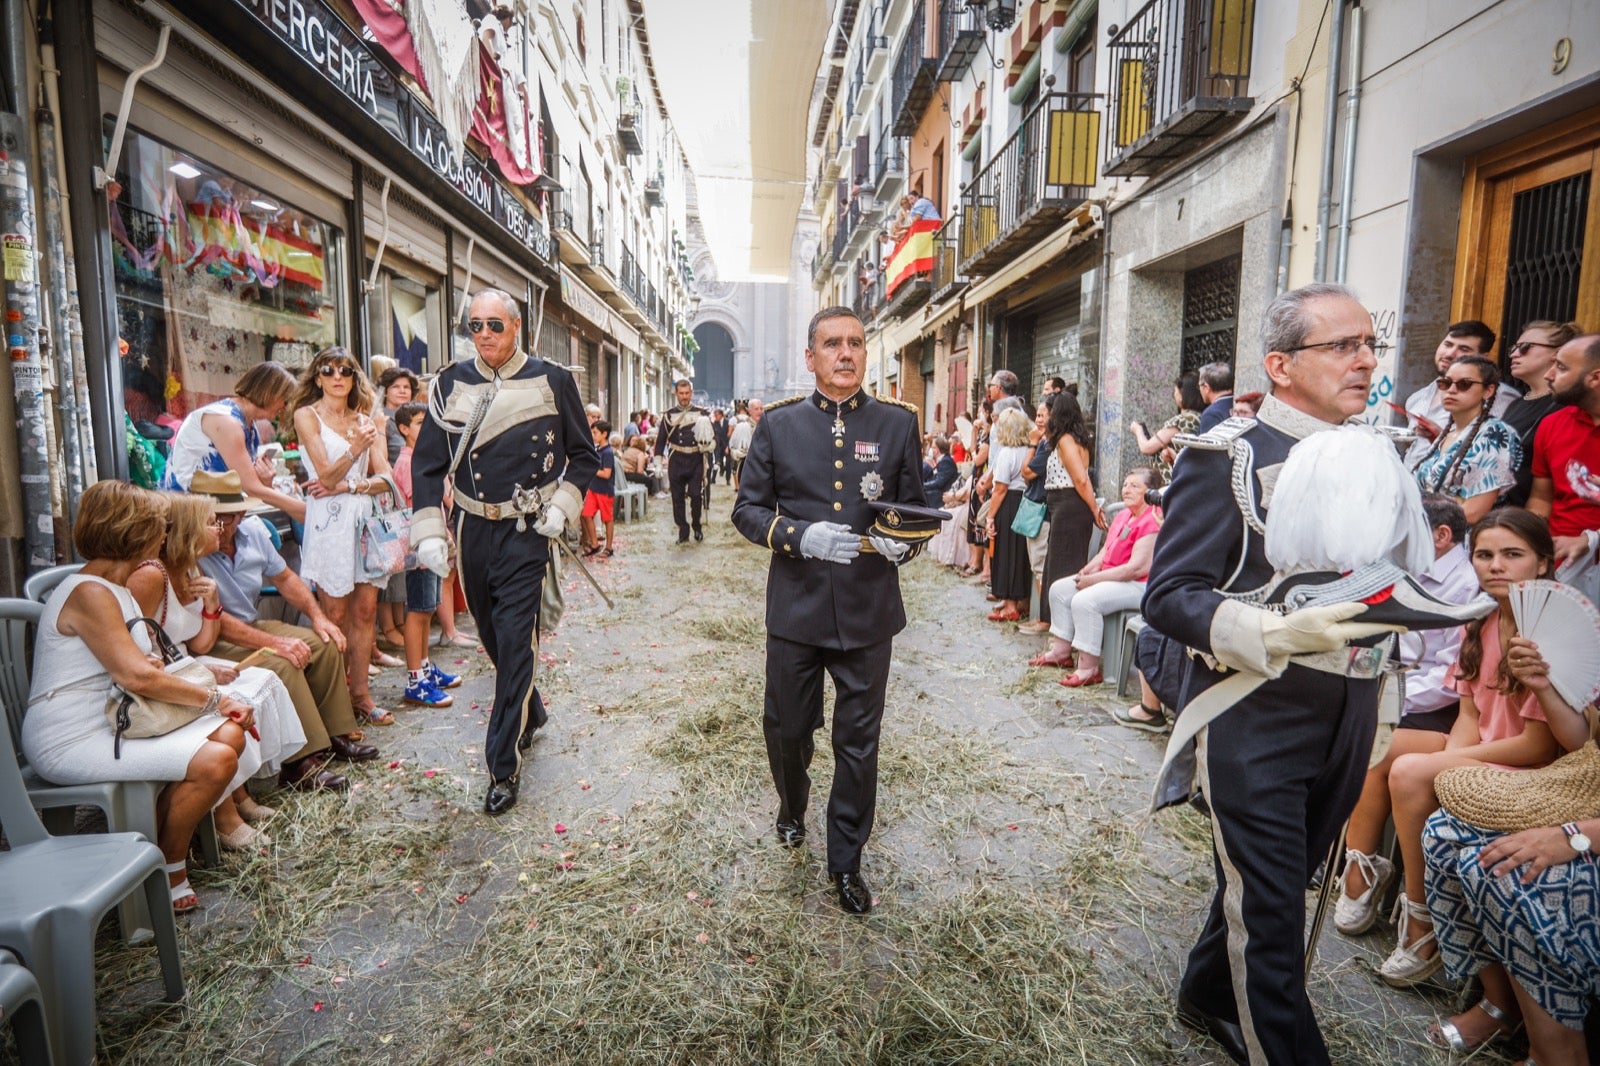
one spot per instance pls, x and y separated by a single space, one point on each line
212 277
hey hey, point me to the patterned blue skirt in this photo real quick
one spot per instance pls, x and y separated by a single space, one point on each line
1547 934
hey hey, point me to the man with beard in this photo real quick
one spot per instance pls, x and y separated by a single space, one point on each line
686 437
1566 464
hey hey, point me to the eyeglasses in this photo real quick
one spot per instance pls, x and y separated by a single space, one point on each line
495 325
217 522
1345 347
1457 384
1521 347
327 370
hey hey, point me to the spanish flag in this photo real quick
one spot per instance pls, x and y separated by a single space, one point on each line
913 255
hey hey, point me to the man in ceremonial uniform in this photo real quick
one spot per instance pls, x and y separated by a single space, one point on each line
816 465
686 437
507 432
1281 770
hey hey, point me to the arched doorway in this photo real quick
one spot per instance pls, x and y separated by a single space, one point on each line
713 363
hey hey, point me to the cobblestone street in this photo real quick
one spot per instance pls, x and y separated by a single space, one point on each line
634 908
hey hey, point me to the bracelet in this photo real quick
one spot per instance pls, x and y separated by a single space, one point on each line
211 703
209 616
1593 537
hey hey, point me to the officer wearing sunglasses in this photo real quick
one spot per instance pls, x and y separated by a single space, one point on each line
507 432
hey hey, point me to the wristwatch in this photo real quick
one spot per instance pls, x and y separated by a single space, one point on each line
1577 839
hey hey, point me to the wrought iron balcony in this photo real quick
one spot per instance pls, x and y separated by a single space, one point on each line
914 73
1180 71
630 128
960 39
597 253
876 44
652 191
1035 179
630 277
830 157
947 276
889 166
869 298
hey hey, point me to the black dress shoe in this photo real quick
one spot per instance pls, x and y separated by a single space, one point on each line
351 751
791 834
683 538
310 774
502 796
1224 1032
854 895
525 741
698 535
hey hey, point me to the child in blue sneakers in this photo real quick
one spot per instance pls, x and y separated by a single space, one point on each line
427 683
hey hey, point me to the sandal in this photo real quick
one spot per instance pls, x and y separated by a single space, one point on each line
1006 614
1406 966
254 812
587 552
397 642
374 715
385 659
1080 680
1156 723
244 837
1447 1035
183 898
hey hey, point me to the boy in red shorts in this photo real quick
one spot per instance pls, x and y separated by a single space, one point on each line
602 494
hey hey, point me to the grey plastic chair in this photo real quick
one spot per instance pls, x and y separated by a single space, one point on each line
54 891
129 806
23 1003
39 586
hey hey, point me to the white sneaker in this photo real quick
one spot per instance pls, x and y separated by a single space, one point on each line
1354 916
1405 967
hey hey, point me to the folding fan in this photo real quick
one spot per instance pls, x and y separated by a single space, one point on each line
1566 627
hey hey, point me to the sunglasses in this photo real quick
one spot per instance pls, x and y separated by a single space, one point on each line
1521 347
495 325
327 370
1457 384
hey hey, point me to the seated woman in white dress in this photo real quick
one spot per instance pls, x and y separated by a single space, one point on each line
186 604
80 655
345 454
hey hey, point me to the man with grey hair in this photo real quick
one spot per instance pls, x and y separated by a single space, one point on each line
1215 381
506 433
1282 768
1004 389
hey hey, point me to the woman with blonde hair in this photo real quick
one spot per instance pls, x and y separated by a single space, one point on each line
1010 575
344 452
187 606
222 436
80 659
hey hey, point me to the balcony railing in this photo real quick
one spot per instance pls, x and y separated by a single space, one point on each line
869 298
841 235
1180 71
830 156
1036 178
629 276
960 39
914 72
652 191
946 263
889 164
630 127
597 253
876 44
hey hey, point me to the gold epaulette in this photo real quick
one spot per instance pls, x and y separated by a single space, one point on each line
775 404
913 408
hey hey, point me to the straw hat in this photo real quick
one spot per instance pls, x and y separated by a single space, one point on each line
225 488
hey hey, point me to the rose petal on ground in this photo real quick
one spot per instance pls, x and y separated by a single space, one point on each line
560 828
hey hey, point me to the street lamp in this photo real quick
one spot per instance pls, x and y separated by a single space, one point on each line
997 14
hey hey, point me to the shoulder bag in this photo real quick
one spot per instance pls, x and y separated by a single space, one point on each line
133 715
1568 790
1029 518
386 536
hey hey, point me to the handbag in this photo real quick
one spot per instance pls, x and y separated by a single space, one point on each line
133 715
1029 518
386 537
1567 790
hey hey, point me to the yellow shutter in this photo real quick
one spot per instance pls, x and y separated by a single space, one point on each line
1133 102
1074 147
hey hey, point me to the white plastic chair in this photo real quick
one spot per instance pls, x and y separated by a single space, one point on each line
39 586
23 1003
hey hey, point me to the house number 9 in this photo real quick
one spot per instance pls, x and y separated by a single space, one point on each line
1563 55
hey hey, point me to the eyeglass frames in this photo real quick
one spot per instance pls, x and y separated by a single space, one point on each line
1347 346
1521 347
496 325
328 370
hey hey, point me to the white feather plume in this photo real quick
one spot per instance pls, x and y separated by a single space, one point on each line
1344 500
703 433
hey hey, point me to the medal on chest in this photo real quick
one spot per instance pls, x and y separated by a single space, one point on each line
866 451
871 485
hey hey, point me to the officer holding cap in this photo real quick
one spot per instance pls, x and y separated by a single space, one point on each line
817 466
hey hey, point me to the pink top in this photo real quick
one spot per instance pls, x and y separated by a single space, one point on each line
1126 530
402 473
1499 716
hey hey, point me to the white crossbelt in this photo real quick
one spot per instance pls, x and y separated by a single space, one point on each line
1214 701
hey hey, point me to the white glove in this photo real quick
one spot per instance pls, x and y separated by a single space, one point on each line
892 550
553 523
434 553
832 542
1315 629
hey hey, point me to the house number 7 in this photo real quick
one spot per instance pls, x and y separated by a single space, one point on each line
1563 55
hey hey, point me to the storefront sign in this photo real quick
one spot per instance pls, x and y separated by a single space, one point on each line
321 39
577 296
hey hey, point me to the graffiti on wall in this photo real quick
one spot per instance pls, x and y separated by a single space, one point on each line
1386 375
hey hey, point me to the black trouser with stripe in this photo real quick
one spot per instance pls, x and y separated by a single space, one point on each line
1282 771
686 473
793 712
502 573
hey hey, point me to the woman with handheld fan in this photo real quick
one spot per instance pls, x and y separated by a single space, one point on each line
1510 716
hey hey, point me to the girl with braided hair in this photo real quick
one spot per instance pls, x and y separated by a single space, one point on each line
1476 458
